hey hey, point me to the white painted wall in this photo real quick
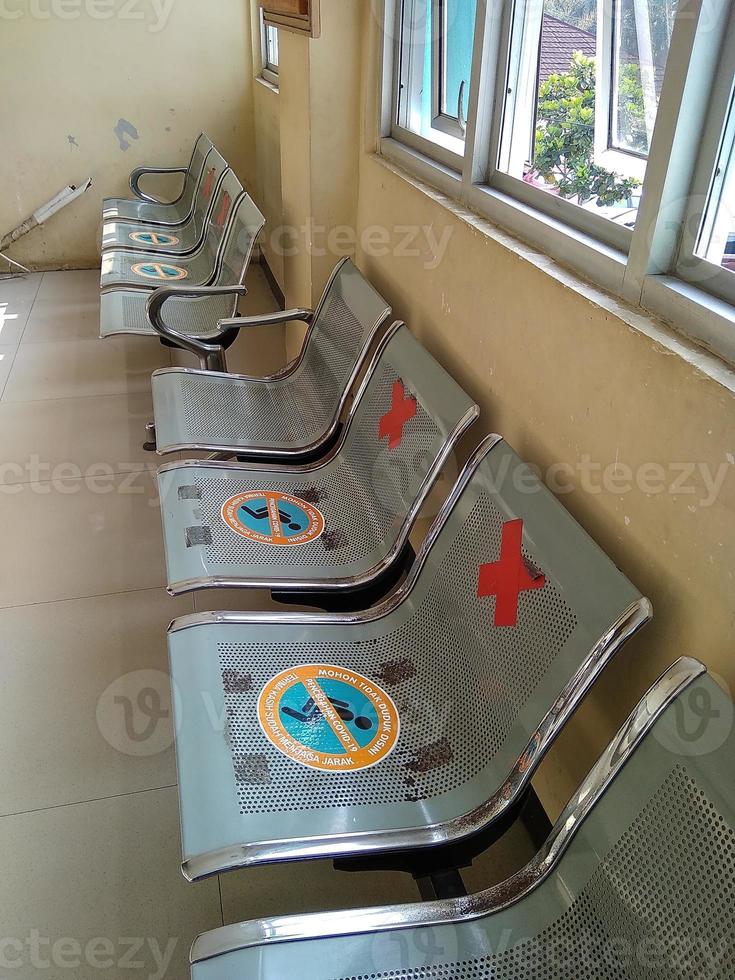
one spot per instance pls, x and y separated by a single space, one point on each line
71 70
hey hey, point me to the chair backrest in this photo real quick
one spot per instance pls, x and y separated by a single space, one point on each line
407 416
345 323
206 197
635 881
241 231
195 173
220 216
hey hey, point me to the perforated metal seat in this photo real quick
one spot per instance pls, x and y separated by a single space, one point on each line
124 311
636 881
144 240
477 660
287 418
157 213
360 503
121 268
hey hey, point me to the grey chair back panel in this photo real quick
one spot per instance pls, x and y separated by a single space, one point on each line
207 193
241 234
202 155
470 694
636 881
365 492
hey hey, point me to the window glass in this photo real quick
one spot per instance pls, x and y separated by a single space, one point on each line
457 40
436 45
271 47
716 241
577 126
641 45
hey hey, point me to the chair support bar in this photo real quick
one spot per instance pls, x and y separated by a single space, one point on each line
211 356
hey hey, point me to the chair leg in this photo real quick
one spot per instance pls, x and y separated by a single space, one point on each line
150 443
442 885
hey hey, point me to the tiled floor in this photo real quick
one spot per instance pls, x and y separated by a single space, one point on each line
90 883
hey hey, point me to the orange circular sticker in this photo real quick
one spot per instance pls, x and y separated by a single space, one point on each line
154 238
159 270
273 518
328 718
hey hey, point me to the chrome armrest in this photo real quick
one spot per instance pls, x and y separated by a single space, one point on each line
211 356
142 171
264 320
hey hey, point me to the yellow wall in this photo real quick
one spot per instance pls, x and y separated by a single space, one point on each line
565 373
170 76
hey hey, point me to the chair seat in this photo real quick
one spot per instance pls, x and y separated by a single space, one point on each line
122 209
123 311
349 529
144 271
201 408
175 241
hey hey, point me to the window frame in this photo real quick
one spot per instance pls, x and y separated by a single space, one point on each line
408 77
718 133
639 265
269 70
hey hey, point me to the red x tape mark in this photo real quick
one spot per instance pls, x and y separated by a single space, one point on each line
508 577
208 184
402 410
224 210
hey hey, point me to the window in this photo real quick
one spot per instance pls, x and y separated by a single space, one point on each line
269 42
435 42
581 97
568 122
707 249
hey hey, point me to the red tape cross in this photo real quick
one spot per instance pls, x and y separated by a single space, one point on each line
402 410
224 210
207 189
509 576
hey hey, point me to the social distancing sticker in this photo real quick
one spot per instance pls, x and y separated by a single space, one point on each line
154 238
273 518
329 718
160 270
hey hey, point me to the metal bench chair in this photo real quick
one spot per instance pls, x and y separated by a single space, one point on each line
122 269
124 311
469 670
161 213
635 882
334 527
144 240
292 417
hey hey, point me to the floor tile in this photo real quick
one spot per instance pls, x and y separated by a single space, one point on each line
7 354
105 877
68 436
86 695
16 300
67 307
74 538
71 369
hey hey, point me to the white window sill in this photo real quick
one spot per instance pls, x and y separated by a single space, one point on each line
696 318
267 83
